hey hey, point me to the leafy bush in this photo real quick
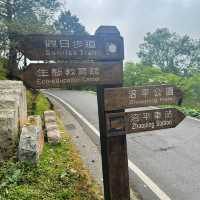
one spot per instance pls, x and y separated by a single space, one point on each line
138 74
192 90
41 104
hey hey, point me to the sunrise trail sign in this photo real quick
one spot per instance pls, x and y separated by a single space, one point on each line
141 96
140 121
58 75
77 47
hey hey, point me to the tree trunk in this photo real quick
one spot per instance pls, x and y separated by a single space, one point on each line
12 62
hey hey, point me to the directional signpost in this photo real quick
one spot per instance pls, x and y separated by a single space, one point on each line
98 60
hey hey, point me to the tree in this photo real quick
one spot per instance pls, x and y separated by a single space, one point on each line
192 90
69 24
171 52
139 74
22 16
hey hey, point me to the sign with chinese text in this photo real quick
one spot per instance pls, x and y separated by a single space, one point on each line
121 98
62 47
139 121
59 75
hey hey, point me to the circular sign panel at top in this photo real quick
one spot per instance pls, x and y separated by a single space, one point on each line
111 48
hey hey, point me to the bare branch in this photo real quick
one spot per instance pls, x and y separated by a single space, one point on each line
3 2
2 15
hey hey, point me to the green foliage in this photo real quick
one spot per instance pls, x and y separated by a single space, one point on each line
192 89
27 16
37 103
138 74
69 24
171 52
41 104
10 174
29 97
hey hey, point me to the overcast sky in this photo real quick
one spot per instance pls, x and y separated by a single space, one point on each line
135 18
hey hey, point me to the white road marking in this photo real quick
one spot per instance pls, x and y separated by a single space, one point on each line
154 188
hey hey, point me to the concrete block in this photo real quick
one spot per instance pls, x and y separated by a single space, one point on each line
20 100
49 113
49 119
35 120
51 126
17 91
11 84
31 141
54 137
13 114
8 103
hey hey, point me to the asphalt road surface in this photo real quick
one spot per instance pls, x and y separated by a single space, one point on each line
170 158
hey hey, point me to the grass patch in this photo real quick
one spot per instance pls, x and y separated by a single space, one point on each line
41 104
59 175
37 103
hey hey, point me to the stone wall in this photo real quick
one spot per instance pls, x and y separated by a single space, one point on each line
13 115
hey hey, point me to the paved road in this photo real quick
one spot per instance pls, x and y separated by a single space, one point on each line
169 157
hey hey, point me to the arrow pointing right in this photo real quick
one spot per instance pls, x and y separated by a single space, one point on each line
142 96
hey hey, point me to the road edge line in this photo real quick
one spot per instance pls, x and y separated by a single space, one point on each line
154 188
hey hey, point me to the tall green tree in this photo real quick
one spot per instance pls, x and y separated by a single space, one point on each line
139 74
23 16
69 24
171 52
